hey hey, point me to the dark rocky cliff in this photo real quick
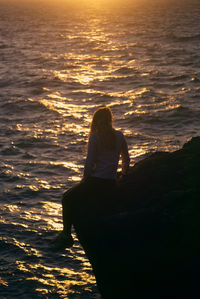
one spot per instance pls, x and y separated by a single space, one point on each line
146 242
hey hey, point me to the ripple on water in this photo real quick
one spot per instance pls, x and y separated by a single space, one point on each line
57 69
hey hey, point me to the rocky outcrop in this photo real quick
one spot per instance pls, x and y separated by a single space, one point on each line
146 242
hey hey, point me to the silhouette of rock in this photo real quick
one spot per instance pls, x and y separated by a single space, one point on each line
144 240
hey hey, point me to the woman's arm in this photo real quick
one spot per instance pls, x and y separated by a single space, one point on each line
125 157
91 156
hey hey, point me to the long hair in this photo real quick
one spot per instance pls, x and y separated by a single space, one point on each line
102 125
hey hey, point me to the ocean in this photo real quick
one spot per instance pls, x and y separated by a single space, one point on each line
59 62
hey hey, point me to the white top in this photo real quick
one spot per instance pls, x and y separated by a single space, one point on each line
103 163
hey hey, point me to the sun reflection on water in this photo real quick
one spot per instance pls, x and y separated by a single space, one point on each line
78 63
61 278
3 282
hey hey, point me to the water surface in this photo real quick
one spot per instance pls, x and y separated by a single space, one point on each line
58 64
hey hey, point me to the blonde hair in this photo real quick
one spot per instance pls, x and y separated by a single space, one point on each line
102 125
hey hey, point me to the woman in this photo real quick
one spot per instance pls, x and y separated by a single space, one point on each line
104 148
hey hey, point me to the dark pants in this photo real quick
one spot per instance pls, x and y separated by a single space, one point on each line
92 195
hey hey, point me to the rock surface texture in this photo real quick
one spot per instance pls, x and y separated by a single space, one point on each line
144 240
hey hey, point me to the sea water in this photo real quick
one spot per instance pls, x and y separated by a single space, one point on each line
59 62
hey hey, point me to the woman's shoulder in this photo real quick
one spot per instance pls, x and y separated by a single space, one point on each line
119 134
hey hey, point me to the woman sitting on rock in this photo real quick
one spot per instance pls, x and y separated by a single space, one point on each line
105 146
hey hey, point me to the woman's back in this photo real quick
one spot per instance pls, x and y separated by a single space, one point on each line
103 162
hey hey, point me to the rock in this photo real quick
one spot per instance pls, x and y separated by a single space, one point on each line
146 243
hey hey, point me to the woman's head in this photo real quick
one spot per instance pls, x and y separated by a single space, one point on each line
102 125
102 120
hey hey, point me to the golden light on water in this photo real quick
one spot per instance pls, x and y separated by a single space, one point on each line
78 56
3 283
67 277
81 4
88 67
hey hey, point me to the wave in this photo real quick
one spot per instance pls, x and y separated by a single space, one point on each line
6 83
9 177
124 70
31 141
10 151
166 116
6 246
24 109
184 38
3 46
184 114
195 80
178 77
